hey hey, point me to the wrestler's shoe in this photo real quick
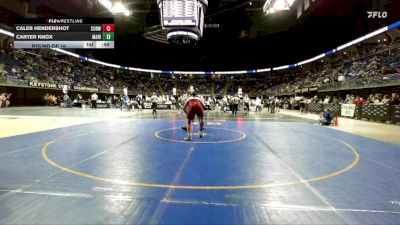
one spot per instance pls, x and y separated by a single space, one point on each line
188 138
201 134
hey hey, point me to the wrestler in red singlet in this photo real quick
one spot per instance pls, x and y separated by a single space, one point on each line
194 106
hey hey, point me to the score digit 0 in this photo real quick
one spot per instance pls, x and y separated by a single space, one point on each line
108 27
108 36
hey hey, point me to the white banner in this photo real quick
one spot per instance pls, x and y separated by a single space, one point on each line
147 105
348 110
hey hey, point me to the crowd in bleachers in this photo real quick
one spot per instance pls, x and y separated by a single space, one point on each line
28 66
377 99
379 61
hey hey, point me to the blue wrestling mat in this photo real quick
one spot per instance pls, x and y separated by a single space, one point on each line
242 172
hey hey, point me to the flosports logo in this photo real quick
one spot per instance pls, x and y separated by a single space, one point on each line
377 14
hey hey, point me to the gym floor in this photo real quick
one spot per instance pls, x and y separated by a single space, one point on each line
82 166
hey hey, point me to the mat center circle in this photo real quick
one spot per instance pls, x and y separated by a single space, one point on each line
211 135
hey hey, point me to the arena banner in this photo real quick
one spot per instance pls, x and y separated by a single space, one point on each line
147 105
63 87
103 105
44 85
163 106
81 88
348 110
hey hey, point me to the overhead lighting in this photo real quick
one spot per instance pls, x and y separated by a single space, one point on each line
116 8
272 10
106 3
280 5
272 6
127 13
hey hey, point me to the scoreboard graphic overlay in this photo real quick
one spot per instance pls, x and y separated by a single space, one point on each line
73 33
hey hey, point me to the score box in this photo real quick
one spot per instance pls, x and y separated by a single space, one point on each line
108 36
108 27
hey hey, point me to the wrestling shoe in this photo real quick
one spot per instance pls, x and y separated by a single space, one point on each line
201 134
188 138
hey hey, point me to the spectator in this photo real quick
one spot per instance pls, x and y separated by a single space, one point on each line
46 99
5 100
2 72
302 104
258 105
327 100
125 99
395 99
154 100
66 100
94 98
235 107
335 100
359 101
315 99
352 99
2 99
385 99
347 99
376 101
326 118
370 99
52 100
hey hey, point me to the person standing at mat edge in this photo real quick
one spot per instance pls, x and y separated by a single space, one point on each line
235 107
194 106
246 101
154 100
2 99
94 98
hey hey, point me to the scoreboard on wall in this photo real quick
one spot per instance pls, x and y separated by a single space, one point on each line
78 33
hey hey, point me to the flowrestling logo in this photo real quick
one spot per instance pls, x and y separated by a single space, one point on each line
377 14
